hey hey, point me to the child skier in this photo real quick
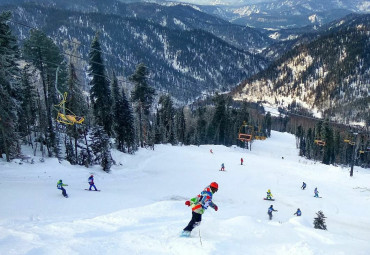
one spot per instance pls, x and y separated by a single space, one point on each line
241 161
60 185
316 192
91 182
198 205
222 167
298 212
303 185
270 210
269 195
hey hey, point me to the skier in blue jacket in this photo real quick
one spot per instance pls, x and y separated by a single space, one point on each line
91 182
303 185
316 192
298 212
270 210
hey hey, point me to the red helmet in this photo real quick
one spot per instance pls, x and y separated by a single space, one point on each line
214 185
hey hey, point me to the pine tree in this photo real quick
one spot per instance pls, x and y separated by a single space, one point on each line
268 123
143 96
47 58
328 157
28 111
77 104
71 156
180 125
201 127
123 119
309 144
100 93
166 114
159 134
319 221
100 146
219 121
85 157
9 85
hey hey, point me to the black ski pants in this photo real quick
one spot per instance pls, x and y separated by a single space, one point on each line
195 221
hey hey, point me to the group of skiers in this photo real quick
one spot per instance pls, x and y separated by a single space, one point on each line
61 185
223 165
298 212
316 192
201 202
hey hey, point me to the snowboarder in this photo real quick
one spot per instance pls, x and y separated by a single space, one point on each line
316 192
241 161
222 167
298 212
270 210
198 205
269 195
91 182
60 185
303 185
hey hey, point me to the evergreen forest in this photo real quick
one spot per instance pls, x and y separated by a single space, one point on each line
44 106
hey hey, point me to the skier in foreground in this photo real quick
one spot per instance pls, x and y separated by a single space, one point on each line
91 182
60 185
198 205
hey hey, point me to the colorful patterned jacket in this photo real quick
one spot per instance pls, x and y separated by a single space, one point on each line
202 201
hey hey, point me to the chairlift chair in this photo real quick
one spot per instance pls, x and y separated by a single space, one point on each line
247 134
320 142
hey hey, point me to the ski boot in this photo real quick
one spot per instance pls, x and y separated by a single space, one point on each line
185 233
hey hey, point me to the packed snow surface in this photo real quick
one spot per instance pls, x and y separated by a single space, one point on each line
141 210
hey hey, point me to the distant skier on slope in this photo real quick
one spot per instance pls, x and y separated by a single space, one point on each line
269 195
60 185
270 210
298 212
303 185
241 161
91 182
316 192
222 167
198 205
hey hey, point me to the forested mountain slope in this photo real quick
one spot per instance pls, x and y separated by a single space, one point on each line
183 62
330 74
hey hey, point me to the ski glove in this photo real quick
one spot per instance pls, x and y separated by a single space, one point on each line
216 208
187 203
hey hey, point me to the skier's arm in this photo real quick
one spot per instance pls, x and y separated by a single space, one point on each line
213 205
